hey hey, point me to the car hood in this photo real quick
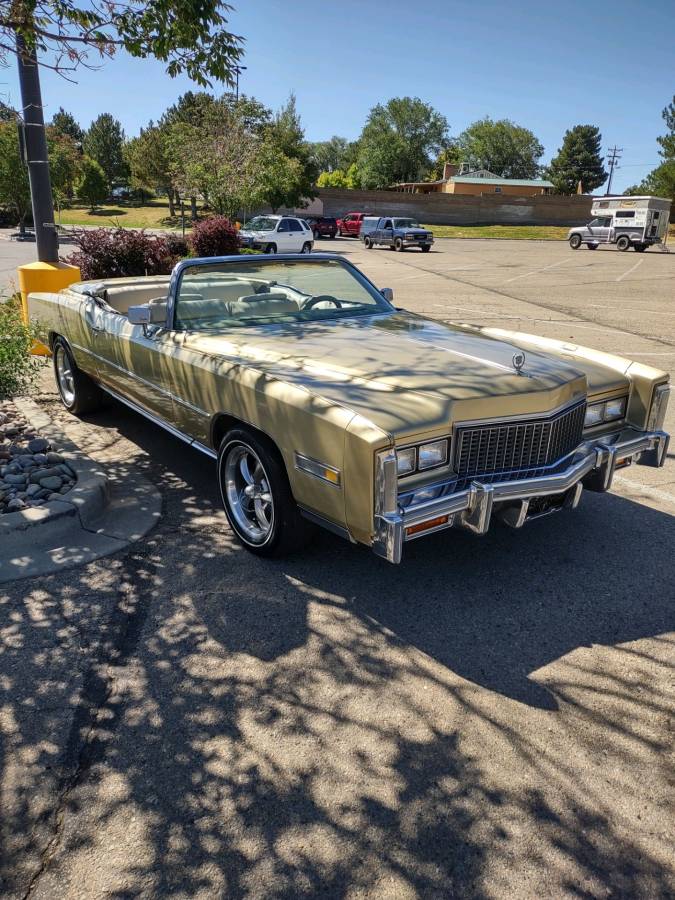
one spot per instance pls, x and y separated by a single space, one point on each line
406 374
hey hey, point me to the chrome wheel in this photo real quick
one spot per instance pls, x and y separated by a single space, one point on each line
65 376
247 492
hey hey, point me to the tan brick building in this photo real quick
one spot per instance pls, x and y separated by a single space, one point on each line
476 184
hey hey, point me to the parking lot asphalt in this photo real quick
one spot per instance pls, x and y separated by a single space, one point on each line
493 718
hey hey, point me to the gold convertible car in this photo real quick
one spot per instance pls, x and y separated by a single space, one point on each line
324 404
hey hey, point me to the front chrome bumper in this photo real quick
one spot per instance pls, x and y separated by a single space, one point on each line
514 501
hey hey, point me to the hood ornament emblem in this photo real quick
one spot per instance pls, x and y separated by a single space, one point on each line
518 361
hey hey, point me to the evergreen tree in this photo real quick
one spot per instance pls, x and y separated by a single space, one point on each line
66 124
578 160
92 185
104 142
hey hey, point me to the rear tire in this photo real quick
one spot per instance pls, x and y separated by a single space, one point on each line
271 248
79 394
639 248
367 243
591 246
317 235
575 241
257 497
623 243
306 247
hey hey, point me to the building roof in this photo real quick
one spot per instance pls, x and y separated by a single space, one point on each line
517 182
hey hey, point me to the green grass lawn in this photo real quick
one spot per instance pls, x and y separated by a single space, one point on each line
154 214
510 232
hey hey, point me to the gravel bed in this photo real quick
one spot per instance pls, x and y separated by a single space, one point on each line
31 471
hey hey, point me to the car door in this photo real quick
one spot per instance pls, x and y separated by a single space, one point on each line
283 234
298 236
135 361
386 234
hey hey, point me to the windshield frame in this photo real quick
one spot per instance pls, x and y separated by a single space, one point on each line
382 305
411 223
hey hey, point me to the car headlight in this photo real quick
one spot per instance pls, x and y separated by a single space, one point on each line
406 460
605 411
657 411
422 457
432 455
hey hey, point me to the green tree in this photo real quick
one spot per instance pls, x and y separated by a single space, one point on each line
92 184
64 164
339 178
502 147
578 160
104 142
450 154
65 123
191 38
335 153
659 183
285 132
399 141
149 162
667 141
280 178
14 189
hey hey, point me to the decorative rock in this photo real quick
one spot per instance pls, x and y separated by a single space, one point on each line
54 458
38 445
51 483
64 489
41 459
52 472
11 478
33 489
15 505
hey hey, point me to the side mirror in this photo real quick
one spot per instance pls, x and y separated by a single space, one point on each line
388 294
147 314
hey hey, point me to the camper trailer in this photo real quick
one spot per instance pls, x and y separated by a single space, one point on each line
636 222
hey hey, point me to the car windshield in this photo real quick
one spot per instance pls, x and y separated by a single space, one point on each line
405 223
216 297
261 223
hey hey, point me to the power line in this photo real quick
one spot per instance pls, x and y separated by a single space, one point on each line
613 159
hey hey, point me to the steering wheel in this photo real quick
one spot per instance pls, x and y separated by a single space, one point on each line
321 298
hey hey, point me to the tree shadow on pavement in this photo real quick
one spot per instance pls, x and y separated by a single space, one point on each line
488 719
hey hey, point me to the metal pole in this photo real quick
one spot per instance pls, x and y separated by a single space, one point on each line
614 157
36 154
182 216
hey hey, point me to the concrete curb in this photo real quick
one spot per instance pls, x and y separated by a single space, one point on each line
95 518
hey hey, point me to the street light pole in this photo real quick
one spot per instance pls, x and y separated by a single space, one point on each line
35 143
237 70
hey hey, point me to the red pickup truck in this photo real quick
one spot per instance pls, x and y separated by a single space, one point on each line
350 225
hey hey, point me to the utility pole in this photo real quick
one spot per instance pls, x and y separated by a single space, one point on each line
613 159
35 144
238 70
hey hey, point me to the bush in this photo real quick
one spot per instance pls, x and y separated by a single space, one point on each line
123 252
18 368
215 236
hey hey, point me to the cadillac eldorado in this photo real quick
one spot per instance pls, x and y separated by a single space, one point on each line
323 404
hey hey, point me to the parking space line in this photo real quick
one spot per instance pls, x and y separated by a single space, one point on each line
537 271
632 269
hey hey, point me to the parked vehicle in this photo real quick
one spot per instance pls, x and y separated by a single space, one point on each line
636 222
322 226
277 234
325 405
397 234
350 225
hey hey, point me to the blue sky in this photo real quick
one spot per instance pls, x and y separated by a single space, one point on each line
544 66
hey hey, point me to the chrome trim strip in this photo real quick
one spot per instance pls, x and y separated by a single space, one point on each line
157 421
309 466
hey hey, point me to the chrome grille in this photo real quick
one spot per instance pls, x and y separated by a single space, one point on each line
522 448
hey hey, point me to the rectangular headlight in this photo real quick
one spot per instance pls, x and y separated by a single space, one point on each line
615 409
406 460
433 454
595 413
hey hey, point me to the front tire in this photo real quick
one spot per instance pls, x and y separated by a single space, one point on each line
426 248
623 243
79 394
271 248
398 245
575 241
257 497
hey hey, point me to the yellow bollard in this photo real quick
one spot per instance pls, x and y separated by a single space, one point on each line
48 278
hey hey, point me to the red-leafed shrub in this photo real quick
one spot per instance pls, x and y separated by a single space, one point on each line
215 236
115 253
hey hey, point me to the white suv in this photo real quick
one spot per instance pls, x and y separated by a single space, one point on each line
277 234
